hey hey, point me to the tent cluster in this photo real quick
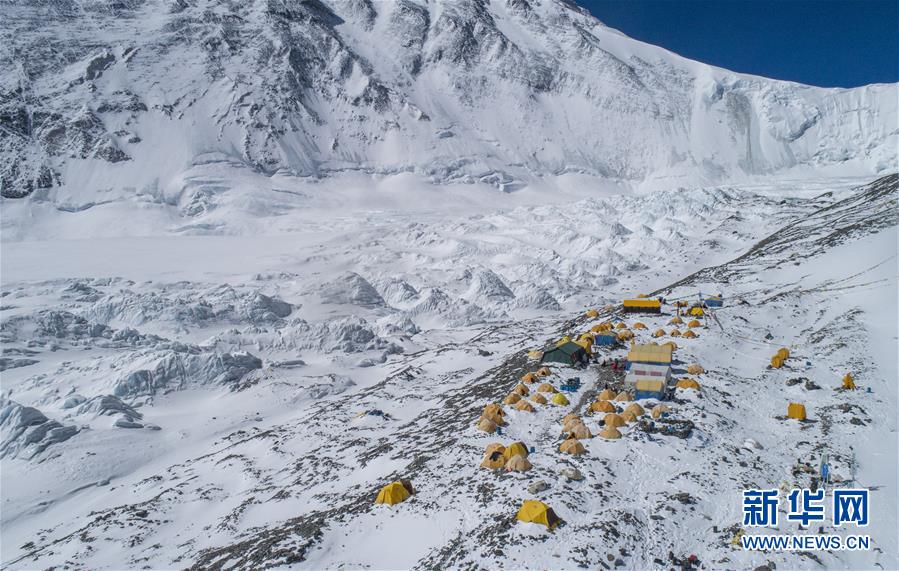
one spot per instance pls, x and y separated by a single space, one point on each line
779 358
492 417
512 458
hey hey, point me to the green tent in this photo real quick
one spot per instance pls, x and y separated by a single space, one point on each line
569 353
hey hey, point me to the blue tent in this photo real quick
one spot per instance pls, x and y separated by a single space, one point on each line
715 301
604 339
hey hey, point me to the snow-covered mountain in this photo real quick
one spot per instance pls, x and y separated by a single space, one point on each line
134 99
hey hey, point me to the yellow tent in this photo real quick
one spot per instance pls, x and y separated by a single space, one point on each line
569 418
777 361
658 409
524 406
610 433
783 353
579 431
606 394
512 399
674 333
493 447
392 493
639 325
621 325
543 372
592 313
538 398
629 417
694 323
602 406
518 464
515 449
671 344
494 418
675 321
521 390
486 425
493 409
572 446
697 312
848 382
625 335
493 459
613 419
546 388
695 369
623 397
659 333
689 334
560 399
535 354
636 409
688 384
529 378
796 410
563 341
532 511
587 344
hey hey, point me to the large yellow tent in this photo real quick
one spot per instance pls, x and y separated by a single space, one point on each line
560 399
636 409
516 449
521 390
533 511
524 406
487 425
796 410
579 431
572 446
513 398
688 384
602 406
538 398
777 361
694 323
613 419
610 433
493 459
518 463
606 394
393 493
623 397
529 378
546 388
783 353
695 369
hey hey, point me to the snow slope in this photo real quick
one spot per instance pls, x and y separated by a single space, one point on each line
217 425
134 101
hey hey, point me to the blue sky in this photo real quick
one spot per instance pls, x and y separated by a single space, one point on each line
831 43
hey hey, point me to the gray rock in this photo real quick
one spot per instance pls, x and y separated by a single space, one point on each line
572 474
538 486
125 423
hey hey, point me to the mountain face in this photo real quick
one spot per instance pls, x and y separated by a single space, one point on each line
132 95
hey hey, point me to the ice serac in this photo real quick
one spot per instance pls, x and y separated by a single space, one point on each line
500 92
